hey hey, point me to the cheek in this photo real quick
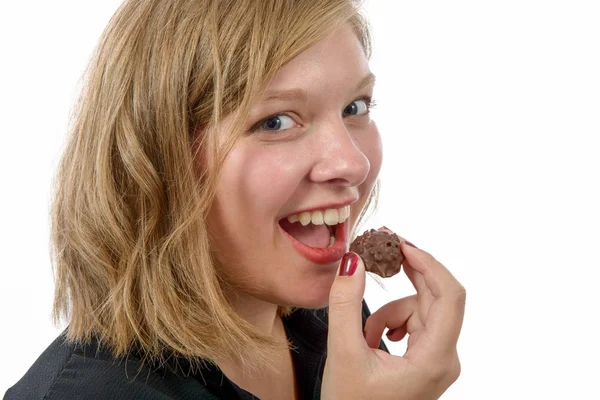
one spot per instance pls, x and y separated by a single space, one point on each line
266 178
256 181
247 197
245 176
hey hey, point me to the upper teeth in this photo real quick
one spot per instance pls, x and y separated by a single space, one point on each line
329 216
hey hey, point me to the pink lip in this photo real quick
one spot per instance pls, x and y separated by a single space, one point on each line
328 255
324 206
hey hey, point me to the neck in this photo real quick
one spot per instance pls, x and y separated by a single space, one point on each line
261 314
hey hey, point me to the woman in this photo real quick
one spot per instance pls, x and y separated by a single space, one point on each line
205 128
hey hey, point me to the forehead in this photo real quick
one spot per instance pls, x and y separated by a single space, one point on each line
335 64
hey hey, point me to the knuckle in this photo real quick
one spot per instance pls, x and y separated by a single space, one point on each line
455 369
446 373
340 301
436 374
455 373
461 294
370 322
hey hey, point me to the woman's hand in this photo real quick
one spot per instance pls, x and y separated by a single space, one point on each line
357 369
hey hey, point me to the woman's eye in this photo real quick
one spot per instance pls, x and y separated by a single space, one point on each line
358 107
276 123
282 122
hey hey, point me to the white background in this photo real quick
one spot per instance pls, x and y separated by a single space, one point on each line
490 116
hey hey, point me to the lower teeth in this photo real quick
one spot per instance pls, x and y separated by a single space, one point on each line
331 241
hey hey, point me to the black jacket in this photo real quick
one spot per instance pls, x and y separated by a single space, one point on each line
67 371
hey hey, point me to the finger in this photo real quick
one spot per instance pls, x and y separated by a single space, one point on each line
345 309
424 293
436 277
445 315
418 282
393 315
416 279
387 230
396 335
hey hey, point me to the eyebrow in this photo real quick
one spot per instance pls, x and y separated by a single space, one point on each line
301 95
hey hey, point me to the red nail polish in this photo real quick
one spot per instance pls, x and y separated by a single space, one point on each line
410 244
349 264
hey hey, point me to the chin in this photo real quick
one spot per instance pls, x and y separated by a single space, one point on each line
311 303
307 297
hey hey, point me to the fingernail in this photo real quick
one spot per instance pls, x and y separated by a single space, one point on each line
349 264
410 244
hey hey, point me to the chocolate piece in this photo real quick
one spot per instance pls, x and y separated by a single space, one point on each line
380 252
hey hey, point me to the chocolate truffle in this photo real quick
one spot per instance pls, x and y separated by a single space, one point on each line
380 252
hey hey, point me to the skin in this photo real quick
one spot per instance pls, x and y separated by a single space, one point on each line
432 318
324 157
327 157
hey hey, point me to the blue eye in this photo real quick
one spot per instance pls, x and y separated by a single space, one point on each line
358 107
276 123
281 122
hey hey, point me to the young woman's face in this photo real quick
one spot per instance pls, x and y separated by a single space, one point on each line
311 152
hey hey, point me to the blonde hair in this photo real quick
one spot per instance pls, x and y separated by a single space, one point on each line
133 260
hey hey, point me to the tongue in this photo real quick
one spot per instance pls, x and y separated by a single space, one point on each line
311 235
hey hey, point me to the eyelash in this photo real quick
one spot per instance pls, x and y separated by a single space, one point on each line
367 99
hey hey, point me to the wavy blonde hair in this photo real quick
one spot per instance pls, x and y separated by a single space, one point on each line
133 261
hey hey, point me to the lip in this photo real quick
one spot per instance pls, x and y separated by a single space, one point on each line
323 207
329 254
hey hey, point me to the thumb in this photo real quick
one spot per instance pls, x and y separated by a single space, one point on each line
345 307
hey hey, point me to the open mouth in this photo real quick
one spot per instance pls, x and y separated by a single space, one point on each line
316 229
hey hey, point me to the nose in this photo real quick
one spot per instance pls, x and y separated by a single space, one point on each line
339 159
